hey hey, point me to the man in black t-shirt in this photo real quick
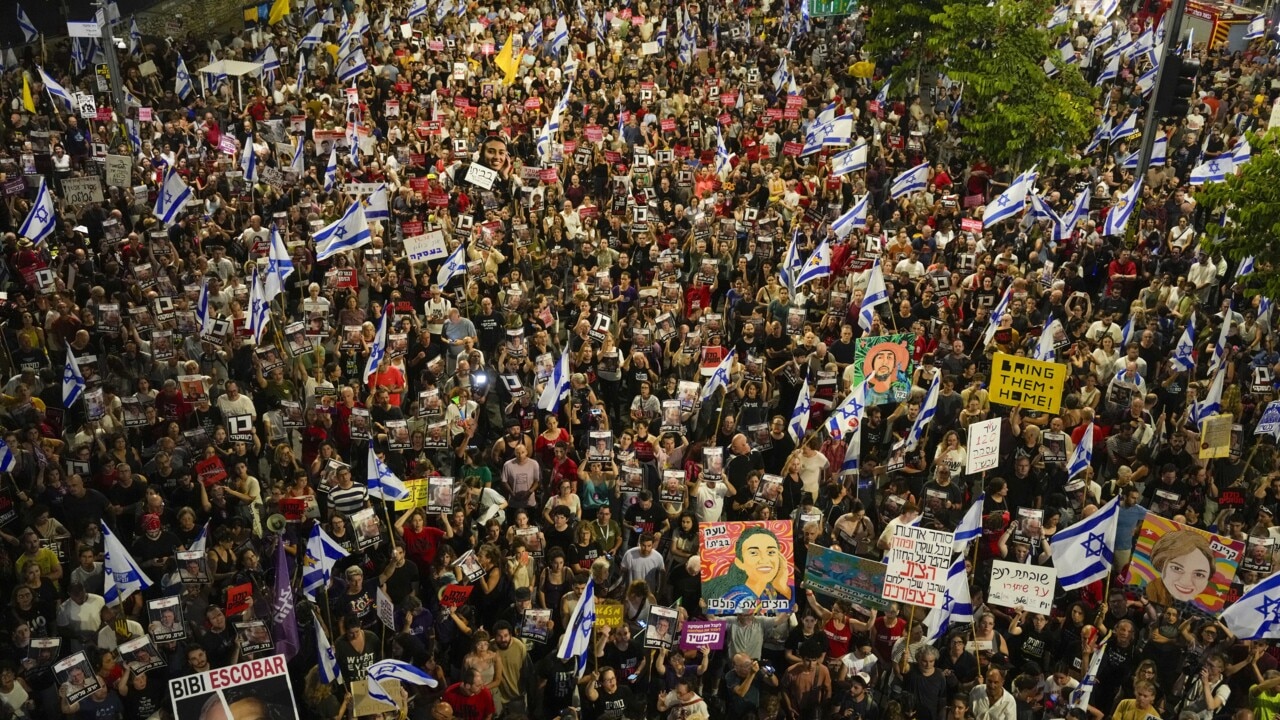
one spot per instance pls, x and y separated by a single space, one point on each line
556 681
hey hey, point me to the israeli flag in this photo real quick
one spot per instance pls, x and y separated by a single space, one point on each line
1012 201
1044 347
7 461
559 37
1126 333
791 262
1083 552
348 232
322 552
42 219
780 76
1242 152
270 62
173 195
417 10
1257 28
1215 170
1256 615
249 161
313 37
297 166
135 37
1246 267
202 306
875 294
853 451
279 266
454 266
1148 81
1084 690
720 378
848 415
576 642
55 90
402 671
854 219
957 605
377 351
851 160
1109 72
928 409
1082 455
331 169
122 575
838 131
351 65
724 160
1183 358
201 541
376 207
1100 135
27 27
310 11
1220 345
1126 128
1079 211
1105 8
182 83
917 178
259 309
535 37
383 484
217 77
661 37
1119 216
817 266
557 386
1061 16
799 423
996 315
328 659
1212 403
970 527
73 384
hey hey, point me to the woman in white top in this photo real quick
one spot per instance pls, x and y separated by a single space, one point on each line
15 694
1105 355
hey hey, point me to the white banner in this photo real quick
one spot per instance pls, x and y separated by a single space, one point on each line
428 246
1021 585
984 446
919 559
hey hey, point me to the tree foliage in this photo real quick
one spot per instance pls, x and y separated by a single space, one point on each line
1251 200
1015 113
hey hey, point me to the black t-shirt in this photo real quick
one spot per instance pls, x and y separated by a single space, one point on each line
400 584
561 677
615 706
644 520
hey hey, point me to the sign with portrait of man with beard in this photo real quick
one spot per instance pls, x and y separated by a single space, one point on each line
886 360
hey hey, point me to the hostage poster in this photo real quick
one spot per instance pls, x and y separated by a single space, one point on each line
746 567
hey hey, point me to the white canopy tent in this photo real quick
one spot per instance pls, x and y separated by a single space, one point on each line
232 69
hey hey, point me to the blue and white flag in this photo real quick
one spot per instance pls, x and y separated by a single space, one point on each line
1220 345
321 555
724 160
1044 349
249 161
1256 615
55 90
394 670
259 309
557 386
204 316
1126 333
1061 16
1212 403
454 266
720 378
851 160
1012 201
279 266
1079 211
848 414
135 37
791 262
970 527
417 10
817 266
781 76
42 219
73 384
875 294
1109 72
853 451
218 76
799 423
839 131
1242 152
917 178
182 86
376 205
996 315
855 219
1119 216
1147 81
559 37
27 27
928 408
201 541
576 643
1257 28
331 169
957 605
1100 135
1183 358
1105 8
330 672
377 351
121 575
1126 128
534 40
313 37
1084 690
1247 266
1215 170
173 195
661 37
348 232
352 65
1083 552
270 64
7 461
384 484
1082 455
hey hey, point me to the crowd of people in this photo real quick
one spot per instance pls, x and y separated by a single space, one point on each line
622 194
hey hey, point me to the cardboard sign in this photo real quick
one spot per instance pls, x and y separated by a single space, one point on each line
1016 585
1215 436
455 595
238 598
608 614
429 246
844 576
698 634
984 446
211 471
119 171
919 559
481 176
82 190
1026 383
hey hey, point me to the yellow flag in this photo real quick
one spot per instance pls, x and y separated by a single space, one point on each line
279 9
508 61
27 101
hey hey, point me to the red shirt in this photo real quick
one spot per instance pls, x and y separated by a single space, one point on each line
422 545
469 707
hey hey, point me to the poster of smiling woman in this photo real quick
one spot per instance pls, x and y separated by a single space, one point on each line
1177 565
747 567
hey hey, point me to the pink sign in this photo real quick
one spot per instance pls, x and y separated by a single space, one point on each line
707 633
970 225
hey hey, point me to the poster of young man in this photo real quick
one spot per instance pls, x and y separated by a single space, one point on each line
256 688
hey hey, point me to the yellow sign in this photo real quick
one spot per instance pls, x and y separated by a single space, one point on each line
862 69
1215 436
608 614
1026 383
417 495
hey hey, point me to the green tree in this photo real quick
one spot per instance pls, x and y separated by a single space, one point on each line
1015 113
1251 200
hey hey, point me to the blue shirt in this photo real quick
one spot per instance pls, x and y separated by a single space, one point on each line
1127 522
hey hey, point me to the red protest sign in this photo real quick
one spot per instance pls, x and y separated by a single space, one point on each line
668 124
791 114
411 228
794 102
455 595
238 598
293 509
211 471
570 146
594 133
533 103
418 184
438 198
970 225
724 119
547 175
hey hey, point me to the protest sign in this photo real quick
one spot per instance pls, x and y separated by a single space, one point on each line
1025 383
608 614
76 677
919 559
119 171
1269 424
886 360
1023 585
708 633
535 625
663 625
260 688
1178 564
238 598
1215 436
746 567
428 246
455 595
843 576
417 494
984 446
82 190
165 619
